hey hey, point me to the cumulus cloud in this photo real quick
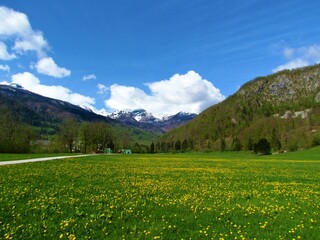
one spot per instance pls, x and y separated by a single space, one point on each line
4 55
89 77
102 88
187 92
13 22
300 57
26 80
33 42
5 68
16 25
49 67
32 83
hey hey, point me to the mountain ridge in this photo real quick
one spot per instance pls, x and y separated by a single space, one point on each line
35 109
142 118
266 107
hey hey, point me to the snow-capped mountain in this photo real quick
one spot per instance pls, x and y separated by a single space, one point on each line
142 119
15 85
139 115
169 122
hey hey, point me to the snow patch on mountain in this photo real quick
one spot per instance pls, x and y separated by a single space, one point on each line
141 115
142 119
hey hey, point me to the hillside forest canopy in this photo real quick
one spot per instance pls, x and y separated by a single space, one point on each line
282 109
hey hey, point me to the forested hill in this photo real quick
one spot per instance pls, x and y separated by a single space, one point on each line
283 108
43 112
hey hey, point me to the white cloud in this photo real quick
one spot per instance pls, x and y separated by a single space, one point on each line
300 57
4 55
26 80
296 63
5 68
13 22
288 52
89 77
16 25
312 52
123 97
187 93
33 42
49 67
102 88
32 83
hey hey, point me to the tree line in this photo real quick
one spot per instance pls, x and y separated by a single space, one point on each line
88 137
14 136
266 135
263 146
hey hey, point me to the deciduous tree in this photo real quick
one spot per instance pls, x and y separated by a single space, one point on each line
68 133
263 147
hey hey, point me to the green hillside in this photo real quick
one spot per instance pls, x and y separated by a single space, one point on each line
32 123
283 108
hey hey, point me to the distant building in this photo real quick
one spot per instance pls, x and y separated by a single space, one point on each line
107 150
125 151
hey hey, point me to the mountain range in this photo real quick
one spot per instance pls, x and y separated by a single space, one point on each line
142 119
47 113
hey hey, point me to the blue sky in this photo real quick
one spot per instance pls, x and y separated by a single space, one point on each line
163 56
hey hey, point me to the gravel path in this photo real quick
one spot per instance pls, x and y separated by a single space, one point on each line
42 159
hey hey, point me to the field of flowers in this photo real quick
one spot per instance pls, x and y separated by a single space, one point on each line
177 196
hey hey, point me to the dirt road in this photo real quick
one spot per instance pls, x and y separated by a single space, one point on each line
41 159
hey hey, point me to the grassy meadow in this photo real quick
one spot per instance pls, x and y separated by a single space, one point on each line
163 196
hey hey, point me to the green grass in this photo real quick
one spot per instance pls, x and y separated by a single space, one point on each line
163 196
311 154
17 156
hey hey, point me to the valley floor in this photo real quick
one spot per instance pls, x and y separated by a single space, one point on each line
163 196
